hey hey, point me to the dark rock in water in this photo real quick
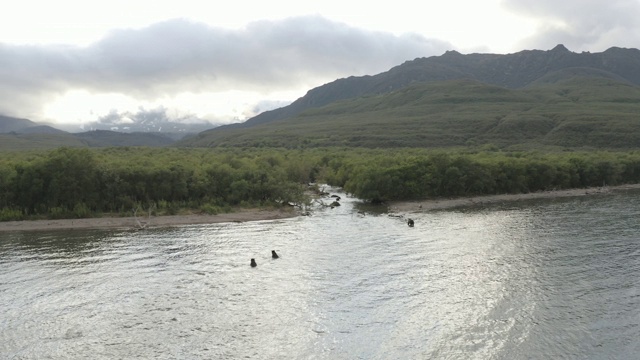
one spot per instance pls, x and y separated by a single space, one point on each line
334 204
253 263
410 222
274 255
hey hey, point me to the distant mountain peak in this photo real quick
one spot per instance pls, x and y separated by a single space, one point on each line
12 124
560 48
451 53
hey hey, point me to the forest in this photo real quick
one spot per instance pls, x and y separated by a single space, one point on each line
80 182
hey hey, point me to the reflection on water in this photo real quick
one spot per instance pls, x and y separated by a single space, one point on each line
542 279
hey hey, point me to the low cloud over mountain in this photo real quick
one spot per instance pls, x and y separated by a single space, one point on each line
178 56
583 25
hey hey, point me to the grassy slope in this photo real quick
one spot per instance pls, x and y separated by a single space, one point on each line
11 142
573 112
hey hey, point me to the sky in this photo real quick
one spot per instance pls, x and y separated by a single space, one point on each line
77 61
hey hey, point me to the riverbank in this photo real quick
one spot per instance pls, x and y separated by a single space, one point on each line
146 222
272 214
441 204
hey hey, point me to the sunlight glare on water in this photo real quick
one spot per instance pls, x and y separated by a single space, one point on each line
539 279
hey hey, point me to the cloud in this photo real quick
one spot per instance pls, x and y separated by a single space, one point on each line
587 25
177 56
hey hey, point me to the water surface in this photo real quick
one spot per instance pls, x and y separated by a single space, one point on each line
529 280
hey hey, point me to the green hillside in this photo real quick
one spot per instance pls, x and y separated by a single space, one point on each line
98 138
566 109
512 71
18 142
105 138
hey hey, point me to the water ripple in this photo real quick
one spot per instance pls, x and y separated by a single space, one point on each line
545 279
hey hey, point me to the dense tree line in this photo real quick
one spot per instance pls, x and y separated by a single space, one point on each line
70 182
397 176
79 182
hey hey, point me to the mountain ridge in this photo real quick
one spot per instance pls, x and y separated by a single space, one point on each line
18 133
565 108
524 88
514 70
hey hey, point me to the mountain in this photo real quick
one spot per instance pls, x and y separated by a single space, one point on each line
151 121
10 124
105 138
24 134
532 98
577 112
456 99
511 71
143 128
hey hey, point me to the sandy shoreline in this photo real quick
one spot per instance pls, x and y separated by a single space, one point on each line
440 204
258 214
154 221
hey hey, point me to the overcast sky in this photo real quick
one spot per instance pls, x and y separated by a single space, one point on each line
72 61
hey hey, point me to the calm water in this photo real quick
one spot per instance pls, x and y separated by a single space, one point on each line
552 279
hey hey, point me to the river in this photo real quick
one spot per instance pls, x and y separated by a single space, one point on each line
544 279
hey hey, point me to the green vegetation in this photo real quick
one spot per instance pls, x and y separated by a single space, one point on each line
576 112
16 142
74 183
418 174
428 140
97 138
